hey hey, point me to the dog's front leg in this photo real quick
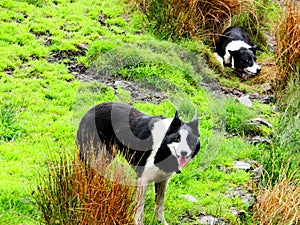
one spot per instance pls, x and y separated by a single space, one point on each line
140 202
160 189
219 59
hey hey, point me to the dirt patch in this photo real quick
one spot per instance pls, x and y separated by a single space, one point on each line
218 91
138 91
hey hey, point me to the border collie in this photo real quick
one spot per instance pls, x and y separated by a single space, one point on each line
155 146
235 49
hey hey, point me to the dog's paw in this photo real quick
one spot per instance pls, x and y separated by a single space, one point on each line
219 59
164 222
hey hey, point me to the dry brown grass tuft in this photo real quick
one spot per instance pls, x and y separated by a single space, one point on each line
189 18
106 200
278 204
288 43
73 193
267 78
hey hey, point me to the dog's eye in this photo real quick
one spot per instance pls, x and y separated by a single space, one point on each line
176 138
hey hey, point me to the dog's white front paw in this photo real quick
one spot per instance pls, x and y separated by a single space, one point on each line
219 58
164 222
161 218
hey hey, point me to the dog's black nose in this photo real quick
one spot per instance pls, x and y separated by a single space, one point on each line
183 153
258 70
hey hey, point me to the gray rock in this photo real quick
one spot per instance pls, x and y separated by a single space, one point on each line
190 198
245 195
257 173
260 122
248 199
210 220
238 213
245 100
257 140
242 165
122 84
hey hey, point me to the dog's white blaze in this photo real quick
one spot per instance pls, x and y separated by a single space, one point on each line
233 46
252 69
152 172
183 145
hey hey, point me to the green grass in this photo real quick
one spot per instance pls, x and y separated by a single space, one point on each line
41 103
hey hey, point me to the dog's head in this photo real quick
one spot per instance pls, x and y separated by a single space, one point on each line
244 59
182 140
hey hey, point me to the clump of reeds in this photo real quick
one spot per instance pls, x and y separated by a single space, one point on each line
189 18
288 43
278 204
72 192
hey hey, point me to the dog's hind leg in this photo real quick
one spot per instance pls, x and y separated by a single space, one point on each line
160 189
140 202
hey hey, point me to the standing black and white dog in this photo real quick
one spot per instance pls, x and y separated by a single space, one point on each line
155 146
236 49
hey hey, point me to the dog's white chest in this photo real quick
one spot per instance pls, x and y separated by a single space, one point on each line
152 173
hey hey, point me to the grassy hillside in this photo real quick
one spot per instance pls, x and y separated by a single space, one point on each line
49 50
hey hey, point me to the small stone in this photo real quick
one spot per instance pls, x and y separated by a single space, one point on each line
245 100
248 199
257 173
257 140
267 99
102 20
237 212
275 108
208 220
83 47
245 196
260 121
255 95
122 84
241 214
242 165
190 198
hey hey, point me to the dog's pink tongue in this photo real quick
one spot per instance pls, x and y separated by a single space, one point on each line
182 161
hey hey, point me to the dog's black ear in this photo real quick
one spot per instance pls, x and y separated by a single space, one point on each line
254 48
175 124
233 53
194 124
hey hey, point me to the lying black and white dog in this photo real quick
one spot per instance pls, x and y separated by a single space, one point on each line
155 146
235 49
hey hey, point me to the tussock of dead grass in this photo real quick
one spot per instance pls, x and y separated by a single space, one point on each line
189 18
279 204
73 193
288 42
104 201
267 78
287 59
